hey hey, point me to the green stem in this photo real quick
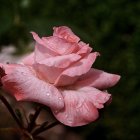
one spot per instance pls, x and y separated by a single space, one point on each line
5 102
42 129
33 121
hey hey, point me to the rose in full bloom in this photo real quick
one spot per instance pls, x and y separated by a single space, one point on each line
58 74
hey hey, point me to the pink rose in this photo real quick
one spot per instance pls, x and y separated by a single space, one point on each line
58 74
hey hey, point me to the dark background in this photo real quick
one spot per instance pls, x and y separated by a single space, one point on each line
112 27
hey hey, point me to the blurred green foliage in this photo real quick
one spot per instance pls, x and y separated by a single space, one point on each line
112 27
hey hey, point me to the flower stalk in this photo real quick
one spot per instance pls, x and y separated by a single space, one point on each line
10 109
32 124
42 129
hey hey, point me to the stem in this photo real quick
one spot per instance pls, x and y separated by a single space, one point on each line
32 123
4 100
40 130
15 130
24 114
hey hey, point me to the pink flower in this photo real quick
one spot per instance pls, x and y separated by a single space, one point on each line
58 74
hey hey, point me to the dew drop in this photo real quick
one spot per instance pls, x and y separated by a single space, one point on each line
66 115
19 88
106 91
69 121
48 94
106 98
23 73
56 111
60 98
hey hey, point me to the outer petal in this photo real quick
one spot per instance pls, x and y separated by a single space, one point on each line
98 79
65 33
24 85
81 106
28 60
8 68
70 75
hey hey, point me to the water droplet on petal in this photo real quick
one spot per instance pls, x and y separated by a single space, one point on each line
56 111
24 74
105 91
60 98
69 121
66 115
48 94
19 88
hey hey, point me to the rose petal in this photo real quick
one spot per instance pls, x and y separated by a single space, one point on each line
29 59
65 33
83 48
61 61
47 73
42 51
8 68
81 106
70 75
98 79
50 68
59 45
24 85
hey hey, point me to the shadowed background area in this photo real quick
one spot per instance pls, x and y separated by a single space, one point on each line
111 28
